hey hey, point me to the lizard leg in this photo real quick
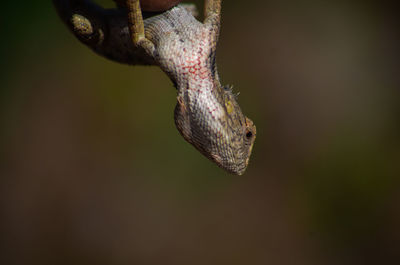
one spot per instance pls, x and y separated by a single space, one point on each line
212 12
212 17
136 27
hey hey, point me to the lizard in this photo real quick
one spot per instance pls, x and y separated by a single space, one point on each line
207 113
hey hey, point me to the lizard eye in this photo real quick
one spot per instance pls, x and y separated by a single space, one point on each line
249 134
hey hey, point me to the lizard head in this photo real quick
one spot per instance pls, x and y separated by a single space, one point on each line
216 126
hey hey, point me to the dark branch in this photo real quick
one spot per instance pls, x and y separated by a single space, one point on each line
105 31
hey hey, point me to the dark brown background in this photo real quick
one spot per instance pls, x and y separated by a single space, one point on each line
93 170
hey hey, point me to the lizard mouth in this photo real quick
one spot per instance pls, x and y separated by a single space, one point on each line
230 166
240 170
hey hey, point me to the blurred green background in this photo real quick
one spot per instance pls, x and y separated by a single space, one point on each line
93 171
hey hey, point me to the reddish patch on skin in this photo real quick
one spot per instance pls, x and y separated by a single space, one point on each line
192 64
195 67
211 111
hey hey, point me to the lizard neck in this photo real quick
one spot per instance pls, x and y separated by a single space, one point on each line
185 49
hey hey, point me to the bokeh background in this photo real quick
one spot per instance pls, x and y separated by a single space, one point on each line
93 171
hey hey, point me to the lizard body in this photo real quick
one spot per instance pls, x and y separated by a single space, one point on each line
207 114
